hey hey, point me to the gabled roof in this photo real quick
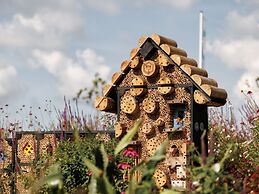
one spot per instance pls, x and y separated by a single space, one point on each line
206 91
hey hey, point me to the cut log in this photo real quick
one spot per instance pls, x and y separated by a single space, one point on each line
134 52
149 68
119 129
136 62
116 77
148 129
170 50
106 89
181 60
138 81
160 122
128 104
160 178
104 103
214 92
158 39
199 97
165 89
163 60
125 65
191 70
200 80
141 40
149 105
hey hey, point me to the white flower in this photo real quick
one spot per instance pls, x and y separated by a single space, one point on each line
196 183
216 167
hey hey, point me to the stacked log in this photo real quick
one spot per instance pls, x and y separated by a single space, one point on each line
119 129
141 40
214 92
149 68
160 178
107 89
103 103
191 70
158 39
136 62
200 80
181 60
134 52
165 89
125 65
170 50
128 104
149 105
116 77
138 81
148 129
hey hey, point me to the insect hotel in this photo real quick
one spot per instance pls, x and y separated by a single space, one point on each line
161 84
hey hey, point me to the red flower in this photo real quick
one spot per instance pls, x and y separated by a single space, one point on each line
89 173
110 157
123 166
130 152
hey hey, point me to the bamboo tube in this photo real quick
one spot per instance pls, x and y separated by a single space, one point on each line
138 81
200 80
141 40
165 89
214 92
158 39
191 70
104 103
136 62
128 104
181 60
163 60
125 65
170 50
199 97
106 89
116 77
133 53
149 68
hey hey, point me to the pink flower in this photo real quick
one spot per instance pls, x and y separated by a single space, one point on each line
89 173
130 152
123 166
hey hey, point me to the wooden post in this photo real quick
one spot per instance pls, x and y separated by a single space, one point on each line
149 68
170 50
158 39
191 70
181 60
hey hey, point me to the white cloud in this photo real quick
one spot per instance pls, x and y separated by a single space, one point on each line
8 75
71 74
46 29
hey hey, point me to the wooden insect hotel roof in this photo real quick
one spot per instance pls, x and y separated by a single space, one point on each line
207 91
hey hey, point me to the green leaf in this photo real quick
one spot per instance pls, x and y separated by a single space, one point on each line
128 137
167 191
93 186
95 170
132 186
104 157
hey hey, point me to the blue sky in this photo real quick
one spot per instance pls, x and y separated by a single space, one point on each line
50 49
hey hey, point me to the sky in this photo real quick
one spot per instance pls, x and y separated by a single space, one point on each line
50 49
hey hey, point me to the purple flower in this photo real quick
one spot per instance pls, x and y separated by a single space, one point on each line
123 166
130 152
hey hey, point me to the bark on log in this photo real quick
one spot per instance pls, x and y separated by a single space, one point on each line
165 89
158 39
133 53
170 50
128 104
200 80
125 65
116 77
191 70
163 60
149 68
104 103
106 89
214 92
149 105
136 62
181 60
141 40
138 81
199 97
120 129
